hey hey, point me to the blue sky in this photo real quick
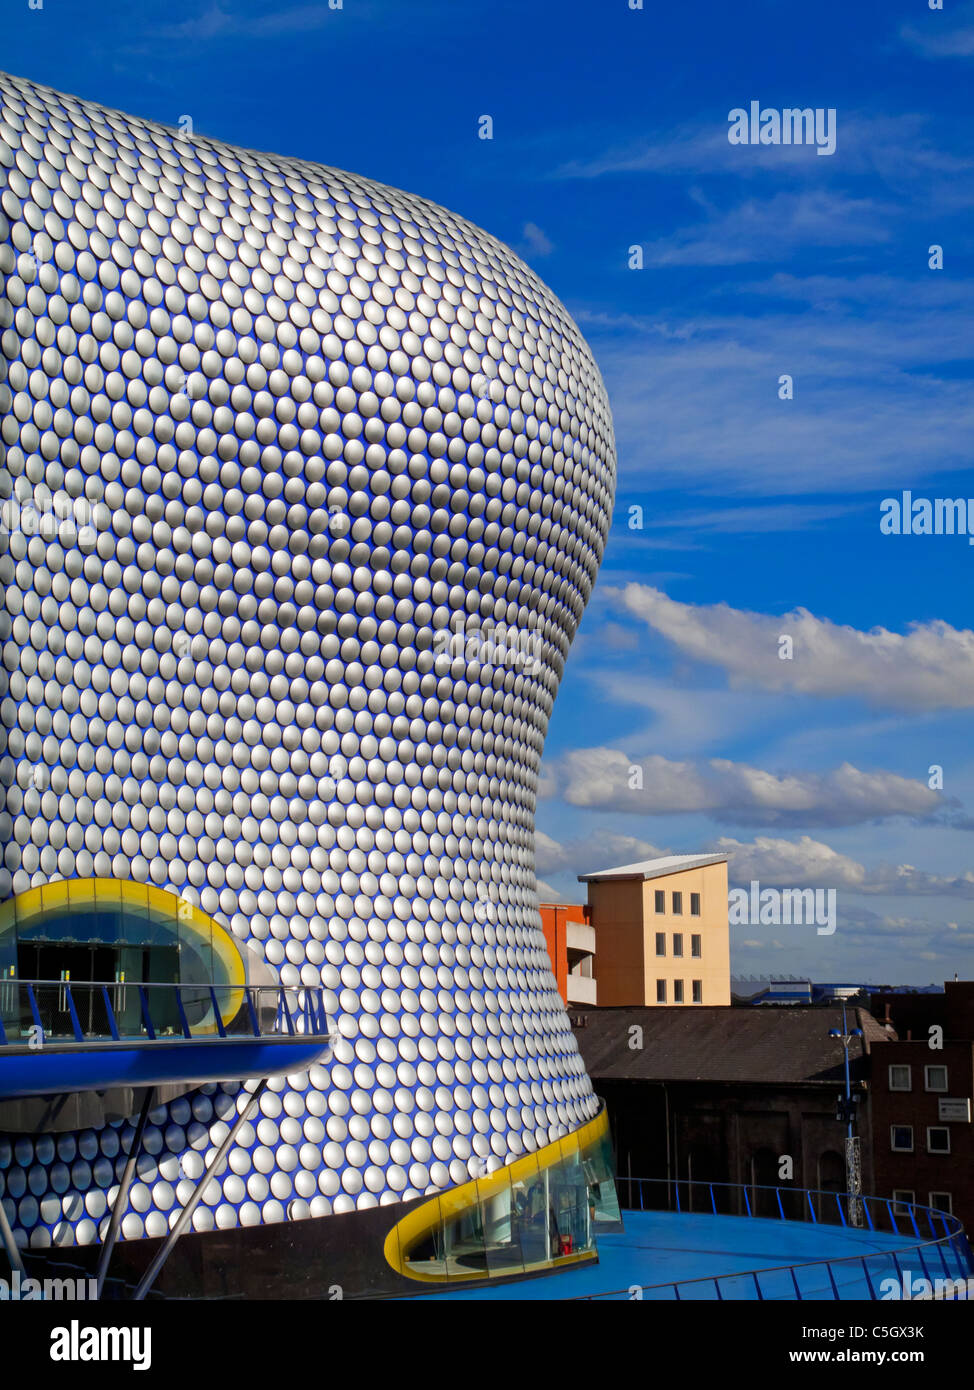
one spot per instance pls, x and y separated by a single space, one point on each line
760 516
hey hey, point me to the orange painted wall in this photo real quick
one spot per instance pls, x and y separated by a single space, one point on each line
554 920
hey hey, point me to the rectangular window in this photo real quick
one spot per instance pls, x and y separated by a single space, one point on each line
942 1201
935 1078
698 991
677 991
660 901
901 1079
694 904
678 943
678 904
661 991
901 1138
696 948
903 1199
661 943
938 1139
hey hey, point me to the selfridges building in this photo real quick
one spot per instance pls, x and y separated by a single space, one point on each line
327 474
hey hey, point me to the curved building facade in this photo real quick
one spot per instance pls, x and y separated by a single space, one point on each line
306 485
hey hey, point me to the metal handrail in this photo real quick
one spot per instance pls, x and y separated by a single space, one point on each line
269 1010
963 1257
807 1192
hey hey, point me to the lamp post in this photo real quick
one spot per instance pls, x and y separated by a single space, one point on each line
846 1110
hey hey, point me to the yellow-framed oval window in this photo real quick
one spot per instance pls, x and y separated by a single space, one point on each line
103 931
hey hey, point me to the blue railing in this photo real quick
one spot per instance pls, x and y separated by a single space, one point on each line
45 1012
938 1246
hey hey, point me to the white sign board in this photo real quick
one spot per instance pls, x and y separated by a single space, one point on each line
959 1110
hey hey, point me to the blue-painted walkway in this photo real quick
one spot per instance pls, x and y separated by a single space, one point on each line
663 1247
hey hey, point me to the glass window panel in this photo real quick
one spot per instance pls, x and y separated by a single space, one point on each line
8 941
426 1254
195 945
938 1139
52 1005
502 1242
530 1208
164 1010
104 917
568 1210
23 1019
463 1247
198 1008
10 1009
603 1199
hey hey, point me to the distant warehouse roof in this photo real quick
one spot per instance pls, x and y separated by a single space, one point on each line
656 868
717 1043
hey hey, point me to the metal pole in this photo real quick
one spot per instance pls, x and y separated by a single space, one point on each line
10 1245
121 1201
666 1117
848 1088
853 1165
186 1215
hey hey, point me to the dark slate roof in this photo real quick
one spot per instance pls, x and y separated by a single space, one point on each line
714 1043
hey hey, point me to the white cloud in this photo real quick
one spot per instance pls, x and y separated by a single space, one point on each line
694 394
775 516
808 863
943 35
897 147
686 722
536 241
601 850
547 894
931 666
599 778
549 855
771 229
217 21
702 411
802 863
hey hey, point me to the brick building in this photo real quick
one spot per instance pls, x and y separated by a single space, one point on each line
922 1090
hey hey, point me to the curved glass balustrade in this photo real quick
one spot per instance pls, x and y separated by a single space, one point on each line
36 1014
540 1212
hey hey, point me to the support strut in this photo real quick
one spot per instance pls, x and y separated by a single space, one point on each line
186 1215
121 1201
10 1245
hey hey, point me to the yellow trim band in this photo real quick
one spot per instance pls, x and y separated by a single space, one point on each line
455 1201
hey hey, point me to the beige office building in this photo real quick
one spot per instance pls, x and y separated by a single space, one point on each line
661 932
